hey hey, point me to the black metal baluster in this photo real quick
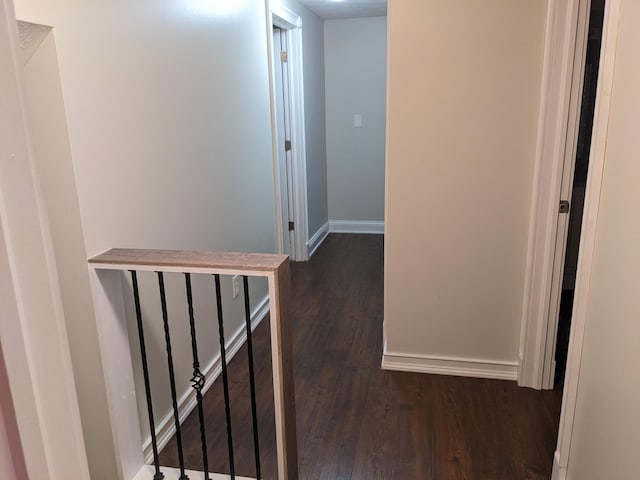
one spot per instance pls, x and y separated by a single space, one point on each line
225 378
172 379
198 379
252 383
158 475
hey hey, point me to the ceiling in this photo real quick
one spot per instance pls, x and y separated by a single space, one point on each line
331 9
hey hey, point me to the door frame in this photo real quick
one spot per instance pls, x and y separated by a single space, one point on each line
563 20
291 23
563 71
588 237
282 131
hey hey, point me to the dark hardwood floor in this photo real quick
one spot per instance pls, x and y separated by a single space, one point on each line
356 421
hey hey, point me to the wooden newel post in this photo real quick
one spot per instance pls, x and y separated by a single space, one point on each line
282 361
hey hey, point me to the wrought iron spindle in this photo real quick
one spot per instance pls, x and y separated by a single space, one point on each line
172 379
158 475
225 378
198 379
252 383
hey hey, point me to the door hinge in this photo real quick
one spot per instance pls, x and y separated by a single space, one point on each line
287 145
564 206
291 226
284 57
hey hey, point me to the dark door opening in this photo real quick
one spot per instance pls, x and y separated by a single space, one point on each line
587 110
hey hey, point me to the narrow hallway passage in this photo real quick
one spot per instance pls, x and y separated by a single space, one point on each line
356 421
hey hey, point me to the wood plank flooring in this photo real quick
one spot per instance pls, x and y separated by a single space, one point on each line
356 421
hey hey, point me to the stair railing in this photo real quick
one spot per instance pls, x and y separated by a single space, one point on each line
108 281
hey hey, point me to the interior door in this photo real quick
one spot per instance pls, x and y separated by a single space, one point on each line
575 134
283 134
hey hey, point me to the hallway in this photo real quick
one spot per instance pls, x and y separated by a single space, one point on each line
356 421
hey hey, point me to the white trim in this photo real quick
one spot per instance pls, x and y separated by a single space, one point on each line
165 429
462 367
558 472
298 141
289 21
284 18
316 240
32 325
115 354
355 226
588 235
560 51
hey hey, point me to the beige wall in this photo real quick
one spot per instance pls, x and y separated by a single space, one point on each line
355 72
463 93
605 440
169 147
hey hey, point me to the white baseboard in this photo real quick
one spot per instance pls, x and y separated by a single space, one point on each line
462 367
355 226
316 240
147 472
559 473
165 429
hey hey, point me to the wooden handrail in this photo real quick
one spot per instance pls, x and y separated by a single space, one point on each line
255 264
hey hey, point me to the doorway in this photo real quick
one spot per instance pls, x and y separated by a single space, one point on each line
560 129
283 138
579 182
287 105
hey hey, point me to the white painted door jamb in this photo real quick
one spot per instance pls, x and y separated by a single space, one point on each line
287 20
588 238
564 51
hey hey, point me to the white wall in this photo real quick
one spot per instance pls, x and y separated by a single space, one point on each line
605 440
170 143
53 156
463 93
355 76
314 113
35 350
